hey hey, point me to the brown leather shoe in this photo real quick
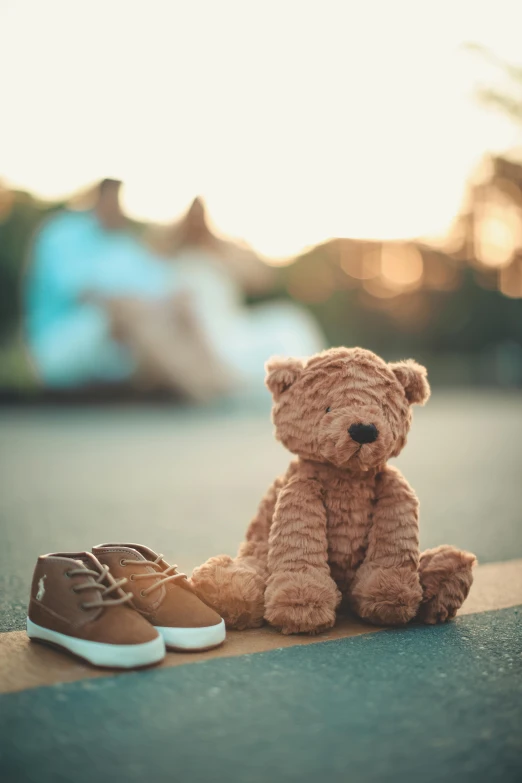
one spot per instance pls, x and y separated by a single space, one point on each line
164 597
76 604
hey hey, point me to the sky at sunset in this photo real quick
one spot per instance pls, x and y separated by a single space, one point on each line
297 121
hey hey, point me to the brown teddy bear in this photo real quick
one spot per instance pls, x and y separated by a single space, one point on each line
341 523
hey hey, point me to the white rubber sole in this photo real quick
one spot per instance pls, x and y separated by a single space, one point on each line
193 638
117 656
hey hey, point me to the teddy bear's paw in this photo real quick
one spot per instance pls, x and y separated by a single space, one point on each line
233 590
387 596
446 576
303 602
301 619
445 604
434 611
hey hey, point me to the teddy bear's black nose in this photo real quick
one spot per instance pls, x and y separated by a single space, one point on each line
363 433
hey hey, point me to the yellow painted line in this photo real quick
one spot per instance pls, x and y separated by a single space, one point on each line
25 664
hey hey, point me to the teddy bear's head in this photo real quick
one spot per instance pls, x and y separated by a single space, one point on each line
345 406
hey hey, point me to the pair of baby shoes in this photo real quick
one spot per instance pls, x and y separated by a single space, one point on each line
120 606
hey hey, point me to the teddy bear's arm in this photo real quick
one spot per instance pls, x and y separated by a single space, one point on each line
301 596
256 541
386 588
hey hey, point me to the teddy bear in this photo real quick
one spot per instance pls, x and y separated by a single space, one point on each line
341 525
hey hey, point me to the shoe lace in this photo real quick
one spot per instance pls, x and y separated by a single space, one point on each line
99 578
162 577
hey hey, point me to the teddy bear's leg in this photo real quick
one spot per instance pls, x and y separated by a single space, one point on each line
386 589
236 587
386 595
301 596
446 577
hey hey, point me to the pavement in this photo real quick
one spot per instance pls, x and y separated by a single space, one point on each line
438 703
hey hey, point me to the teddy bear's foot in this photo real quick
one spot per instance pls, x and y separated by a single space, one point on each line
446 577
301 602
386 596
233 589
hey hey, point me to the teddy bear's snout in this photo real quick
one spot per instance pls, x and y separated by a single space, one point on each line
363 433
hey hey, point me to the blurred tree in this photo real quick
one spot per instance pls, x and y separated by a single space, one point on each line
20 217
397 299
510 102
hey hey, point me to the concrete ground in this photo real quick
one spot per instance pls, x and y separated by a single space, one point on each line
436 703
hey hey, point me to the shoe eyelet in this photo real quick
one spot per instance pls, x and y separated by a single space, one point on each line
122 562
143 594
74 590
67 574
83 607
132 578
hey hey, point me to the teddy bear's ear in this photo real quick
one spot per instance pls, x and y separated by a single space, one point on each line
413 378
281 374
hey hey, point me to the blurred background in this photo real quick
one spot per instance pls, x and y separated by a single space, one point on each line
189 188
359 168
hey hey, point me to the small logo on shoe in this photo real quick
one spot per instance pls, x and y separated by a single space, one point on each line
41 589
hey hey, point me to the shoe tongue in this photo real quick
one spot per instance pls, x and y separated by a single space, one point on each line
82 559
143 552
88 561
141 556
138 551
135 553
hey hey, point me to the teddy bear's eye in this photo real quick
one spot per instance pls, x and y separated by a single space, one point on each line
328 409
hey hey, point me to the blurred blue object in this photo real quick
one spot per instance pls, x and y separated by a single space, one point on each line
74 257
81 269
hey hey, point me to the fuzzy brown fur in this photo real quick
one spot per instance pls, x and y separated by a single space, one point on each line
340 524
